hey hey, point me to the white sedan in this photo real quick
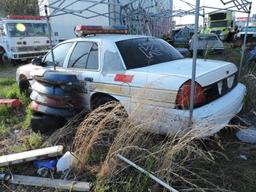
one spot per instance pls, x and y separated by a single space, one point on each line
148 72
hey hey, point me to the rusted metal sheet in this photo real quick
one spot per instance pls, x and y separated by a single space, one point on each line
50 90
57 78
58 94
58 102
57 184
11 102
67 112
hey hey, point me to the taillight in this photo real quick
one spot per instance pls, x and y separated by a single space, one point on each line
183 97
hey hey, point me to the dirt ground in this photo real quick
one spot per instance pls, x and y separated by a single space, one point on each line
7 71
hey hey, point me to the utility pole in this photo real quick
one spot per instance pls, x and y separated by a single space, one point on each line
50 34
245 40
171 18
193 79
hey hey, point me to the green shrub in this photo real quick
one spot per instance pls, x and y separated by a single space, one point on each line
33 141
9 89
3 129
7 81
26 123
4 111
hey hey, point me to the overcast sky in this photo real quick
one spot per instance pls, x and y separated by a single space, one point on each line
177 4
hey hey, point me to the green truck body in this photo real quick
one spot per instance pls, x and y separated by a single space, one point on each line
221 23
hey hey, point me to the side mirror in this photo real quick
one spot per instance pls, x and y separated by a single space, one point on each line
38 61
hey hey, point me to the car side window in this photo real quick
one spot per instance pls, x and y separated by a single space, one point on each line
60 52
93 62
80 54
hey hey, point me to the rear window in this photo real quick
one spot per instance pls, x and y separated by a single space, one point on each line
142 52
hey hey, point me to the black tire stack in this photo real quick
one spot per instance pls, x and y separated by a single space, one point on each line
56 97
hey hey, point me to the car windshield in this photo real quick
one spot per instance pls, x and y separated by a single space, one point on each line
27 29
218 24
142 52
250 29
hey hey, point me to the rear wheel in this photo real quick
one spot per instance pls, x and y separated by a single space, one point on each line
99 100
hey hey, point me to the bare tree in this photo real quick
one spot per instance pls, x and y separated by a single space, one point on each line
18 7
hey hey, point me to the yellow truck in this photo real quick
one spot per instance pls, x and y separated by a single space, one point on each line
221 23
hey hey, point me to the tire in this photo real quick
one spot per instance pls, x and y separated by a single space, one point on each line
46 124
3 58
101 100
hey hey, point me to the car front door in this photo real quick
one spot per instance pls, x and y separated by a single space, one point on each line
61 53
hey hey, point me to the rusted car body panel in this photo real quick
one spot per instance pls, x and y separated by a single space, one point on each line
67 112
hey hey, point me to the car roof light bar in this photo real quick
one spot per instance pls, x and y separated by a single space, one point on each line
84 30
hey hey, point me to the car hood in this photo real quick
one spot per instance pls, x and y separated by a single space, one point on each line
30 70
207 71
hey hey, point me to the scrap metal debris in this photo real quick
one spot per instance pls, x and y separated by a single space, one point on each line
247 135
50 183
15 103
28 156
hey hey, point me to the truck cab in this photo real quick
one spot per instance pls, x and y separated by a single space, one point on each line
23 38
221 23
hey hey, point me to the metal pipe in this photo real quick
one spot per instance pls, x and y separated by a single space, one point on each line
147 173
193 79
78 13
224 9
50 35
244 43
171 18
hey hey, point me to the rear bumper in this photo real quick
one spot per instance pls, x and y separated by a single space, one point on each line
211 118
207 120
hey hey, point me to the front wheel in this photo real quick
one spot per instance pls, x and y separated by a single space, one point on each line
4 58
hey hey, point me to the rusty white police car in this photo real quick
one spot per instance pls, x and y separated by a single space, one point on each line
120 67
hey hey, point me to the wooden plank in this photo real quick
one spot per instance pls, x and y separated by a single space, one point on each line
50 183
32 155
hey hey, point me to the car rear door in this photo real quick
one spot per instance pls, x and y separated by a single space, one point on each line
84 62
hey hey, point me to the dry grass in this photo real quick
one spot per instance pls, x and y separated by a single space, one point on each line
65 135
96 133
106 133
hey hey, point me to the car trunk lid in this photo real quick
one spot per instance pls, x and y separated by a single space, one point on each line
207 71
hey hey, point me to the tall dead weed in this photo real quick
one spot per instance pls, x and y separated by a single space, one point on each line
108 131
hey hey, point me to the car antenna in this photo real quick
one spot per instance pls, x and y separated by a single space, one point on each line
50 35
